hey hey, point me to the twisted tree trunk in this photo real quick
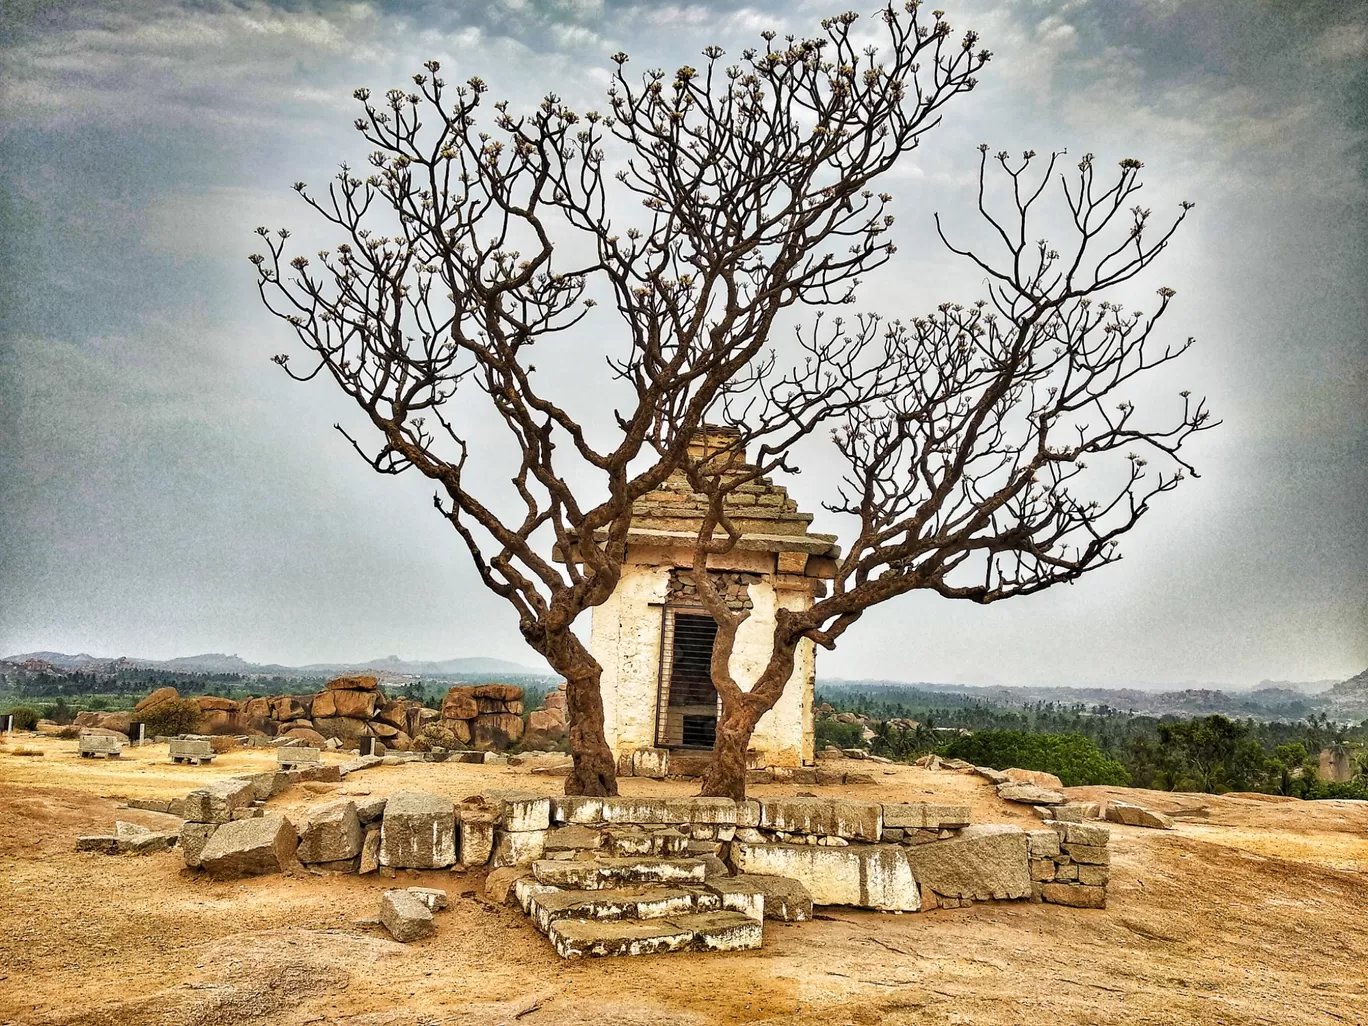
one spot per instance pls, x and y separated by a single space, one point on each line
595 771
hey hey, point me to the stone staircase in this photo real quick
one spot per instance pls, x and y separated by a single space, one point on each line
643 904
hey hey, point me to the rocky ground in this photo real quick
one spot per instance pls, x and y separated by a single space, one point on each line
1250 911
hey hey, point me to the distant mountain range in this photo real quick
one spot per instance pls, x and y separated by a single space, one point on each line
217 662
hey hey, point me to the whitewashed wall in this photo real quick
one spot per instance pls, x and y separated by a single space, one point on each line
625 639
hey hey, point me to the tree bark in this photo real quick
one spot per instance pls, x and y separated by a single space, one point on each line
725 776
595 771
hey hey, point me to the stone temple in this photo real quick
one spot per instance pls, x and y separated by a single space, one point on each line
654 639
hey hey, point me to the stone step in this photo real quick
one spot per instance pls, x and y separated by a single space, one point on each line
613 873
637 903
627 842
705 931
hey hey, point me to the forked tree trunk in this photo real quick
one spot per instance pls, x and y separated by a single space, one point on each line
725 776
595 771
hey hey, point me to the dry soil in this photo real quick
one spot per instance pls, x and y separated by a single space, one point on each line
1249 911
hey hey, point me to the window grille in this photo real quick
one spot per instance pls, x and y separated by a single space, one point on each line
687 705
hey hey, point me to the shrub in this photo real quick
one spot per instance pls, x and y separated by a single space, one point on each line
1073 758
25 717
59 712
842 735
172 717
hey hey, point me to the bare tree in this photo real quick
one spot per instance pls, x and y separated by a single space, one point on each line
964 435
756 180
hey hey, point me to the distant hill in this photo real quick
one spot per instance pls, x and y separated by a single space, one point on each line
1355 687
1305 687
217 662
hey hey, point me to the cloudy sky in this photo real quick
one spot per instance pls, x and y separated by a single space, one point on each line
165 490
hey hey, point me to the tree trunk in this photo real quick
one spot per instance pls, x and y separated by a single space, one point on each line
725 776
595 771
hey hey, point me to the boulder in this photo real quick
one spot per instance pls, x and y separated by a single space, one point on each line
331 833
497 730
214 703
460 704
405 917
344 728
285 708
250 847
395 713
1038 777
982 863
155 699
359 705
363 682
436 736
307 735
121 722
547 721
418 831
384 730
501 692
555 700
219 721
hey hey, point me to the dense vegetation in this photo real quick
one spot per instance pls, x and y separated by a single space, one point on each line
1101 745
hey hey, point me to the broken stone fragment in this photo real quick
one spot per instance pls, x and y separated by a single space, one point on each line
1030 794
982 863
418 831
499 883
405 916
193 838
216 802
518 847
369 810
1074 895
103 844
477 835
783 900
370 850
250 847
1136 815
433 897
332 833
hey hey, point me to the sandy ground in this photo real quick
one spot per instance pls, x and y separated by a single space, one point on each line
1250 911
